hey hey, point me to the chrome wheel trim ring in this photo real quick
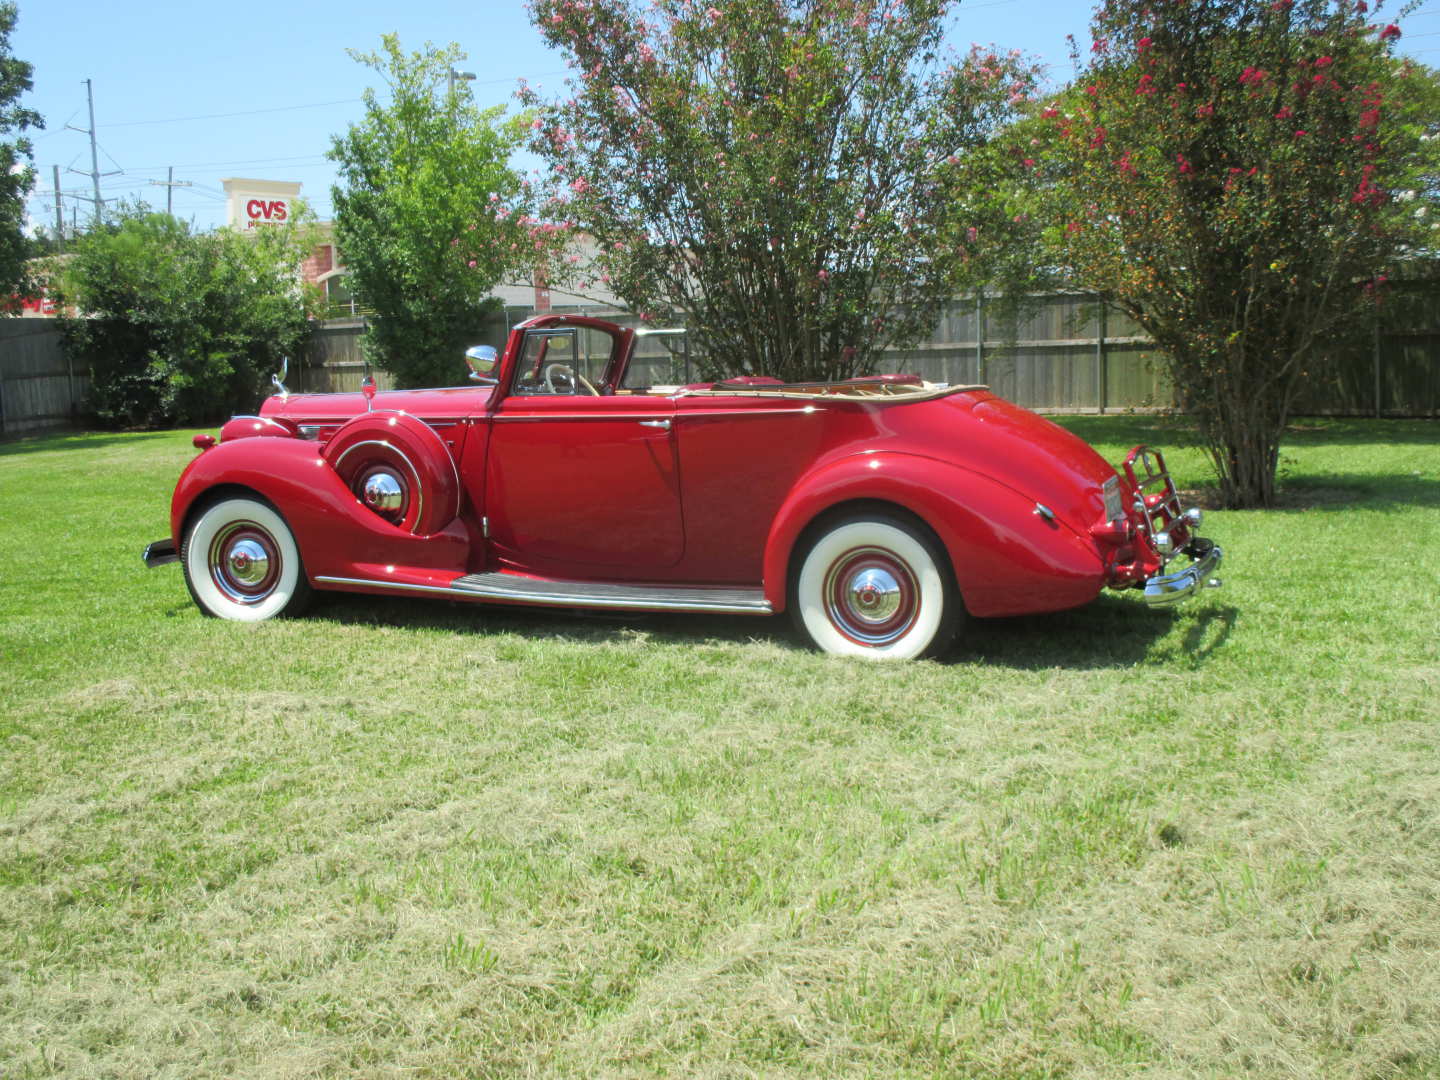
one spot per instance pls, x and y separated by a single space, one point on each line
871 596
244 562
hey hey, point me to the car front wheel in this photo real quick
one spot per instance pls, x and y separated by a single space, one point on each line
241 562
876 587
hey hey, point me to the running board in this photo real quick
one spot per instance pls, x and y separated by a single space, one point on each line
513 589
591 594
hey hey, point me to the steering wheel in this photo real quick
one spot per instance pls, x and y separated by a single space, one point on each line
551 370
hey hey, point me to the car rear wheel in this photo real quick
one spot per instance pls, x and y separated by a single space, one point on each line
877 587
241 562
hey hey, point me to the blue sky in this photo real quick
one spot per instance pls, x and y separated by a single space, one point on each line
257 89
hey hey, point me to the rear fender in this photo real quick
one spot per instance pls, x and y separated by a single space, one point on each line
1007 558
337 535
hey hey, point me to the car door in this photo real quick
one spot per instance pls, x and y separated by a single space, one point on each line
581 483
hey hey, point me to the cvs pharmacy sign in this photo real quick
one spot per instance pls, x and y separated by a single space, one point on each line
266 212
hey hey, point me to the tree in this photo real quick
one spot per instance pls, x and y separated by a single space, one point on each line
415 220
1237 175
176 327
780 176
16 176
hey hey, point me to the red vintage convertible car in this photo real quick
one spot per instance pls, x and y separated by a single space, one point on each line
880 511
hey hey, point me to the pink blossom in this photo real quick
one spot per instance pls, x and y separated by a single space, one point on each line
972 233
1049 112
471 264
580 185
1208 109
713 14
823 275
1285 113
1324 62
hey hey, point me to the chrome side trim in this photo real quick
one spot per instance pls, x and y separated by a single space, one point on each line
1166 589
536 418
576 594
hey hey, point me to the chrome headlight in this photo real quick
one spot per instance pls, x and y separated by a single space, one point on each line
1163 544
1193 517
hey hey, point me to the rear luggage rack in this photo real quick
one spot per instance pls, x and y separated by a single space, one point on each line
1157 502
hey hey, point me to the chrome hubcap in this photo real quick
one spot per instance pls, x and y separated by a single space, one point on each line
871 596
383 492
244 562
249 562
874 595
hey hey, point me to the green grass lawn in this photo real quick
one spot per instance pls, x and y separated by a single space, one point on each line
400 837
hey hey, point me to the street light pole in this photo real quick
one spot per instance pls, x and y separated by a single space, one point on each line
453 74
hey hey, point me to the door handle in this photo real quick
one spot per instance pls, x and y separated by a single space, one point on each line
662 425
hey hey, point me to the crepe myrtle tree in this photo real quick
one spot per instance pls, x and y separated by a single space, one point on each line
1237 176
779 176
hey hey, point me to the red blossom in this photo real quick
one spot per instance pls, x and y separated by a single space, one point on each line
1098 139
1147 85
1252 76
1324 61
1049 113
1370 118
1144 43
1285 113
1390 33
1208 109
1185 166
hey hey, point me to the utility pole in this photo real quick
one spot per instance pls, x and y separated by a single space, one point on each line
170 184
94 172
59 211
94 157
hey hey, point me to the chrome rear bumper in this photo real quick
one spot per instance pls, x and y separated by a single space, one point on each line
1165 589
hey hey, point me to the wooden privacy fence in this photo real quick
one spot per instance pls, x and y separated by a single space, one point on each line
38 387
1066 354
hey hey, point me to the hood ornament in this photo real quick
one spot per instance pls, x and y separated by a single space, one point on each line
278 380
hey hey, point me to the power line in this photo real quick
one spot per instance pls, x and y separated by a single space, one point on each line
323 104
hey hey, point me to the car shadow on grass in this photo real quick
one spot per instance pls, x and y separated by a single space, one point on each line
1110 632
1113 631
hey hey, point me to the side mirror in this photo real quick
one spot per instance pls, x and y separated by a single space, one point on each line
482 360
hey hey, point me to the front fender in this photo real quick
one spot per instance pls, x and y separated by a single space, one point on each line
1007 559
336 534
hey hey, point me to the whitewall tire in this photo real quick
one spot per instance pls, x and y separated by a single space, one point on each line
241 562
876 587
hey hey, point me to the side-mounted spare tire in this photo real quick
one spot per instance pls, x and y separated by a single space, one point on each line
398 467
